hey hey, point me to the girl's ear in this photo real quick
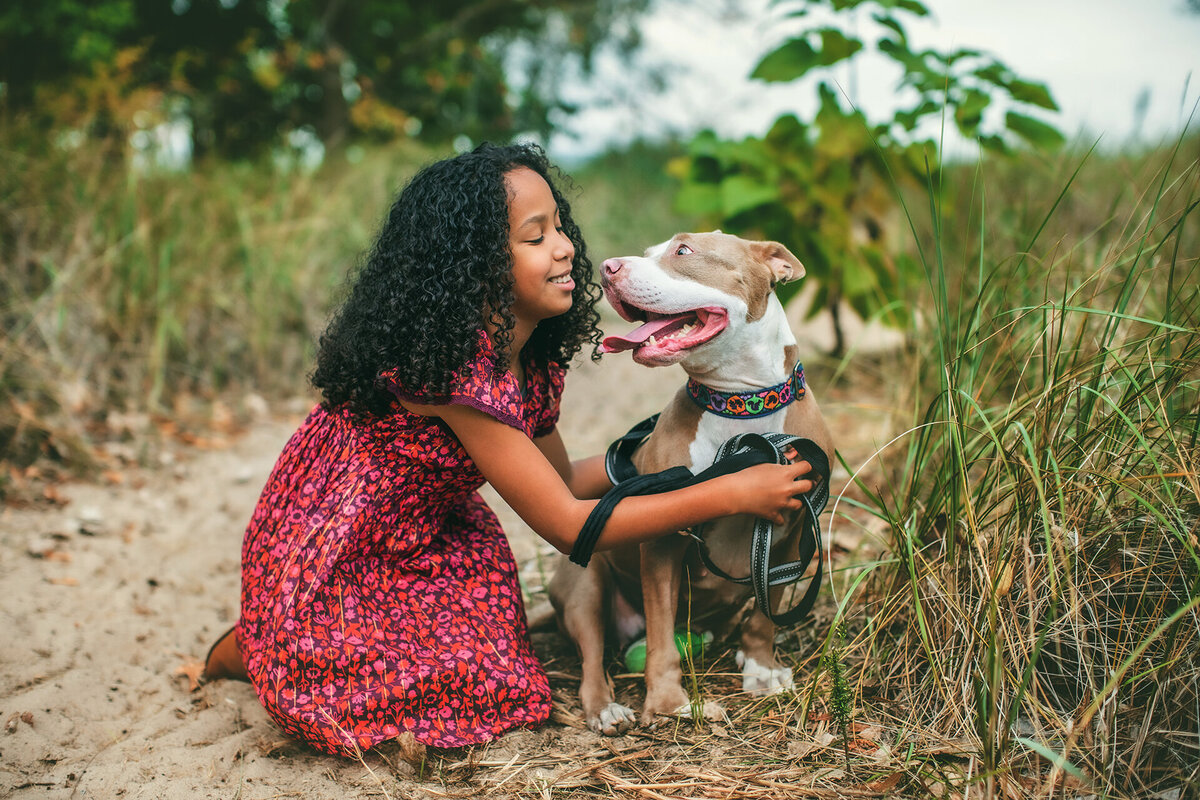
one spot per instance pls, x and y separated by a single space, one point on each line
783 265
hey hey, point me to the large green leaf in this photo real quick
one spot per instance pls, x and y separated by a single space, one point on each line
888 21
790 133
705 143
994 144
1035 94
899 52
742 193
911 117
969 112
1040 134
995 74
700 199
836 46
795 57
910 5
788 62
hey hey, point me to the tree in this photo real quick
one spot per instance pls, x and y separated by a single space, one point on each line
242 71
823 187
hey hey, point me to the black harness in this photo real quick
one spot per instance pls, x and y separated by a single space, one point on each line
737 453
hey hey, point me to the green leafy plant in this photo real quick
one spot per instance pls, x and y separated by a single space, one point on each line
841 695
825 188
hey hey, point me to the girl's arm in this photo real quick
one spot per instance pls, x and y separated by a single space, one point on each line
585 478
529 482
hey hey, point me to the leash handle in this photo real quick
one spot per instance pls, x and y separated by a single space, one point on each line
762 575
734 454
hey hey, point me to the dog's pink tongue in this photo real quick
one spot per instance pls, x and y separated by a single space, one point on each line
618 344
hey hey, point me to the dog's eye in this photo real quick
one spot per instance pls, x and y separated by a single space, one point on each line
683 250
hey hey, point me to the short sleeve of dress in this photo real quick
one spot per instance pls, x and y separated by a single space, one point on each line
478 386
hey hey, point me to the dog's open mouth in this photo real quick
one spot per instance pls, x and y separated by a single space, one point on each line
662 337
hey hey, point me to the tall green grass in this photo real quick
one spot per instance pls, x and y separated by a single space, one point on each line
1038 602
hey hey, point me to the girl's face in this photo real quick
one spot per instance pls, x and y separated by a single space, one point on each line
541 252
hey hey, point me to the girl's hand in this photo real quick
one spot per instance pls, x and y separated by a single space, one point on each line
770 490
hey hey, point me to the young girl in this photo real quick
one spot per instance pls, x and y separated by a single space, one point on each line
379 594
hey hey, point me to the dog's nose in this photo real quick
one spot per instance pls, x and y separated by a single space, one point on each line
613 265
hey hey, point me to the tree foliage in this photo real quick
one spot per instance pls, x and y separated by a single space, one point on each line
824 187
244 71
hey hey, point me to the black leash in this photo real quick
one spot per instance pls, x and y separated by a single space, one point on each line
735 454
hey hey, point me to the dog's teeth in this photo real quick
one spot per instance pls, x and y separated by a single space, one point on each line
652 342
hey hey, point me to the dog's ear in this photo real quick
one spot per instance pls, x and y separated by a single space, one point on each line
783 265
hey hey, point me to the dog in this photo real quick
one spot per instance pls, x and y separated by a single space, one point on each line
706 301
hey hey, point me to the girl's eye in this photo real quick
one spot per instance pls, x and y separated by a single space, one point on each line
538 240
683 250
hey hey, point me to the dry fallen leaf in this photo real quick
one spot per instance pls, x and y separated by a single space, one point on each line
868 732
192 670
51 493
885 785
859 745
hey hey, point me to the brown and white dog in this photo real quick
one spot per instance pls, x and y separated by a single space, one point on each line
707 302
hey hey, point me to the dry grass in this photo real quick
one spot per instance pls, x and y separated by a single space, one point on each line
127 295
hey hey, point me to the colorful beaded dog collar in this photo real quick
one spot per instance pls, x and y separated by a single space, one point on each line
742 405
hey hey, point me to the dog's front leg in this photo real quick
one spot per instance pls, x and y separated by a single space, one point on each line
580 596
662 570
662 573
762 674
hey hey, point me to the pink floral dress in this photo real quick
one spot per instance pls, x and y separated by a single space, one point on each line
379 594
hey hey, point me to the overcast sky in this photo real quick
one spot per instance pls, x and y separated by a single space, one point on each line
1097 57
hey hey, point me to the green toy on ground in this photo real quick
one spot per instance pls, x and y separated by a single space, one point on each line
689 645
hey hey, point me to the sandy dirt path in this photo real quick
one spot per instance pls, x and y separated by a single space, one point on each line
111 597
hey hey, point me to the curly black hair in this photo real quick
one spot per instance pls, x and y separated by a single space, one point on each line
439 267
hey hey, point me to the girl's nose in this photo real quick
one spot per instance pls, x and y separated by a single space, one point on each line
566 248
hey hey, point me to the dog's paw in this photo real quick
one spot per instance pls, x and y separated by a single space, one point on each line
613 720
759 680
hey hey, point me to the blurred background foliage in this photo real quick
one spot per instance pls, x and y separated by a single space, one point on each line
825 187
244 73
